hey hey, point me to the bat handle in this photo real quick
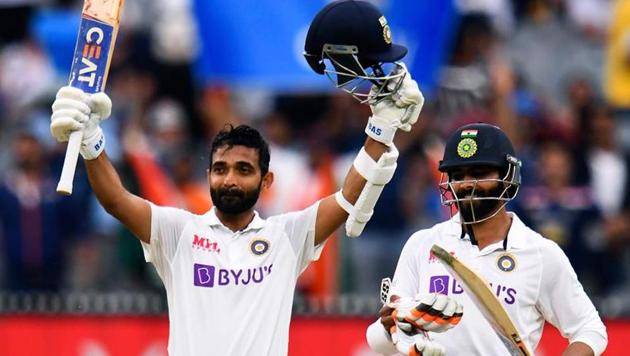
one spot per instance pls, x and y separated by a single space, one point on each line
70 163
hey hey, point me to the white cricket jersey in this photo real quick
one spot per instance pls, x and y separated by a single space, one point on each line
533 279
230 293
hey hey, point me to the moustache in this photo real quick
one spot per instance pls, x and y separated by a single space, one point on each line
231 192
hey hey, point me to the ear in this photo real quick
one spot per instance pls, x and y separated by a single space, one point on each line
267 180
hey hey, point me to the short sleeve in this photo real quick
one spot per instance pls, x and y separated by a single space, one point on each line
300 229
406 279
167 225
564 303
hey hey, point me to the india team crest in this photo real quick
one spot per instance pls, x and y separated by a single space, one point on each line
259 246
506 262
387 32
467 147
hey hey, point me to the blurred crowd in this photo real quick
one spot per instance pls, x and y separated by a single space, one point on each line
555 75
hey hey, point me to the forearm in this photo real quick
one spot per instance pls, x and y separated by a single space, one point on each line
134 212
354 182
330 215
578 349
105 182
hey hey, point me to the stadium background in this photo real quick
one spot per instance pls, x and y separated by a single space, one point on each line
555 75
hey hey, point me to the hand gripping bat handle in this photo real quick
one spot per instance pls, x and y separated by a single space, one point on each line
70 163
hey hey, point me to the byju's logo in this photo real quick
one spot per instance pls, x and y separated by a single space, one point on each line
446 285
439 284
209 276
204 275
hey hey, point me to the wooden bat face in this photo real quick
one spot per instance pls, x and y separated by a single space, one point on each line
95 44
107 11
479 292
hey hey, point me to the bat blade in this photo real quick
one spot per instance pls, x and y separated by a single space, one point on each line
90 65
479 291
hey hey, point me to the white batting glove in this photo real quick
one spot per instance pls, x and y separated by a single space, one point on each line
407 96
75 110
416 345
400 111
430 312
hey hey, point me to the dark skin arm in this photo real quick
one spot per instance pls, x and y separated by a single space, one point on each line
578 349
330 215
133 211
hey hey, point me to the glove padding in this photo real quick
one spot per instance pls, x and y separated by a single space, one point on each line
415 345
75 110
399 111
430 312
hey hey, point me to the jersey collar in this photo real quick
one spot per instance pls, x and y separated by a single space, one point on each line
210 218
516 234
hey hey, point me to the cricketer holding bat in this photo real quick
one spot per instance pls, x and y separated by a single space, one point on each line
229 274
530 275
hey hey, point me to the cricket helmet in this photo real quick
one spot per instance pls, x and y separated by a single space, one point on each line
350 41
480 145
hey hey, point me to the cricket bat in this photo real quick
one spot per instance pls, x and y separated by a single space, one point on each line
92 55
479 291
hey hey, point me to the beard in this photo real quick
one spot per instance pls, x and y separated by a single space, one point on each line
481 208
234 200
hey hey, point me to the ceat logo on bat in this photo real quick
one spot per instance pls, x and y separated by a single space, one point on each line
91 54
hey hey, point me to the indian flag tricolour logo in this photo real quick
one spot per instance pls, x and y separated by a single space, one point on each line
469 133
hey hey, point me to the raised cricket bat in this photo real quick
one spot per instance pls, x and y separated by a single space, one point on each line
479 291
90 65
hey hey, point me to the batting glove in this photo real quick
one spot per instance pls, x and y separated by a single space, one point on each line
431 312
415 345
399 111
75 110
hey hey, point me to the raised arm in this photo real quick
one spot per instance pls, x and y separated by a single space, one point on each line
374 165
75 110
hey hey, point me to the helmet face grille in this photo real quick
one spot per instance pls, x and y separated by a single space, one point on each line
367 85
508 187
351 42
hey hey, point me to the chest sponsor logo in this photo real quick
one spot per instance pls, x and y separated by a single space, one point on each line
209 276
205 244
445 284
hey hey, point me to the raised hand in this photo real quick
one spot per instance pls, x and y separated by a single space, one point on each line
75 110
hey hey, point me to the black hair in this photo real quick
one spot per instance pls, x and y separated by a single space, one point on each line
243 135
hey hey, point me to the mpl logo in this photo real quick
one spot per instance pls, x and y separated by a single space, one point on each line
205 244
209 276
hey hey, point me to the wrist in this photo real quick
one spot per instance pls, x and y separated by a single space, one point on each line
93 144
380 130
